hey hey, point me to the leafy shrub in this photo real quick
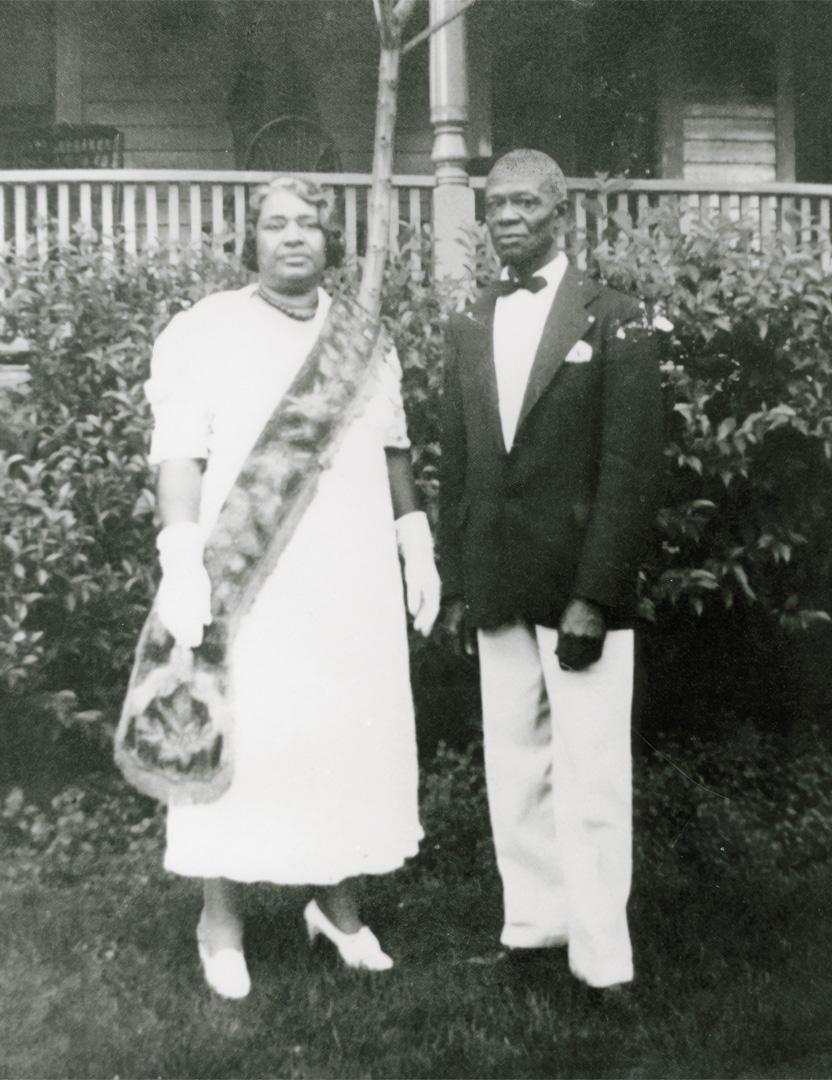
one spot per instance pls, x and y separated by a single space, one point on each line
454 813
747 370
76 509
750 811
79 833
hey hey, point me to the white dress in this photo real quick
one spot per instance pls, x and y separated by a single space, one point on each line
325 771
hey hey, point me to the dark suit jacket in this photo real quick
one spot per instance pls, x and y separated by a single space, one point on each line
566 513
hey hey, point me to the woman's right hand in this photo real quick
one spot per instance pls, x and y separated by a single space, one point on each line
183 603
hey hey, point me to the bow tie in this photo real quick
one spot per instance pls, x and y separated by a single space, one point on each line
533 282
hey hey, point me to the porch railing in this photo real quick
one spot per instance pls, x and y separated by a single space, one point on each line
804 210
180 209
153 208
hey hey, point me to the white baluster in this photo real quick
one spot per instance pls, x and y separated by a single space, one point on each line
805 222
20 237
174 239
217 218
196 218
107 224
130 219
151 211
42 221
86 211
64 227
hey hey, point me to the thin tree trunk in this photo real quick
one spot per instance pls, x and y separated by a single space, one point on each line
381 192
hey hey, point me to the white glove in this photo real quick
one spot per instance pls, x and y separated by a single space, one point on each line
422 585
184 600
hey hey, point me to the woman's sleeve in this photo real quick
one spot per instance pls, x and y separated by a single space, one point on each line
177 391
391 404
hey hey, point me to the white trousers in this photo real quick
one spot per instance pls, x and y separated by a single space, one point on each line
558 768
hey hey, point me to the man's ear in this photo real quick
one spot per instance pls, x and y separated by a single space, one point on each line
558 218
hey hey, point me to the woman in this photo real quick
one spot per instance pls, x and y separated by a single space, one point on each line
325 775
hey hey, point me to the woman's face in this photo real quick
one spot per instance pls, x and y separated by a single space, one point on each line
291 245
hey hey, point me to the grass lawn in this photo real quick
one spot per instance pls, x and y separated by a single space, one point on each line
100 978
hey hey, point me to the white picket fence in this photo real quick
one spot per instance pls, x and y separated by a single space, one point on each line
804 210
175 209
182 210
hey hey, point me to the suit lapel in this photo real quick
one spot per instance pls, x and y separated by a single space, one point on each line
480 347
565 324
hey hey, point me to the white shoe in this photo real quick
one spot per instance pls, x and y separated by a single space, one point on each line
225 970
359 950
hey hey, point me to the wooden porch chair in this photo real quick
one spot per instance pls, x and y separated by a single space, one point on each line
292 143
88 146
66 146
62 146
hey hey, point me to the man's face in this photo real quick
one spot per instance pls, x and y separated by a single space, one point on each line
291 245
522 218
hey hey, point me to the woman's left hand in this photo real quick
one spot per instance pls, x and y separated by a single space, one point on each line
422 585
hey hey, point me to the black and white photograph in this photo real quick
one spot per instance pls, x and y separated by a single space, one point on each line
415 539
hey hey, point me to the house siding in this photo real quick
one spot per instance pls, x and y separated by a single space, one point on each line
729 143
26 35
161 81
163 72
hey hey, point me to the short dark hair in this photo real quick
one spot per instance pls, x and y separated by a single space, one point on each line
531 163
317 195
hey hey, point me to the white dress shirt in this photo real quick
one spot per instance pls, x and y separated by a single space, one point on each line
518 326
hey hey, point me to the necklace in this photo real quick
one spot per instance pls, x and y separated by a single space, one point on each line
301 314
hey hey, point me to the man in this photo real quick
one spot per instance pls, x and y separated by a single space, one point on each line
551 457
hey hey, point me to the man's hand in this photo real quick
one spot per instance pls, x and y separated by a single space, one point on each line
580 635
457 626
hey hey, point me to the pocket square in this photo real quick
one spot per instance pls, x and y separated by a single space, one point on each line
580 353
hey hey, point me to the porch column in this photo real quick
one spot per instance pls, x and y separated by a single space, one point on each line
453 199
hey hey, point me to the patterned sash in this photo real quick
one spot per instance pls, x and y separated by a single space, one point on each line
174 741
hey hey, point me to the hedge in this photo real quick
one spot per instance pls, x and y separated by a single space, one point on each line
749 449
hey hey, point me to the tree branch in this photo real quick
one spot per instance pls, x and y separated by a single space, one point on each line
389 29
428 31
402 11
